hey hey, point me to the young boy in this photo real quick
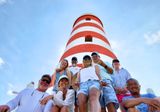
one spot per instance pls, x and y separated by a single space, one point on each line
89 80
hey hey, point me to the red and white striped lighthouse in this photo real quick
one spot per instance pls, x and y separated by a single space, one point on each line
88 36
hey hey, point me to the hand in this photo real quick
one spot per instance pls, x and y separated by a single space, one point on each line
100 62
46 99
63 88
118 90
124 90
4 108
103 83
153 103
152 109
77 84
58 70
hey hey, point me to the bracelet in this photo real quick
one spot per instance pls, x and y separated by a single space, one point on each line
106 66
52 98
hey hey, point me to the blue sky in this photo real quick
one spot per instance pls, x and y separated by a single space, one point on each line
33 34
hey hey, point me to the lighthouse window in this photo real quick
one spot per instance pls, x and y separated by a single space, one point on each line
88 38
88 19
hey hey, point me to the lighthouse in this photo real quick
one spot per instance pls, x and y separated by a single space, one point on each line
88 36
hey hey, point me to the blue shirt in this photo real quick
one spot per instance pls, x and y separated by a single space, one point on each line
120 78
141 107
55 87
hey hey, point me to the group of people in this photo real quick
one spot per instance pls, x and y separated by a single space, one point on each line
94 87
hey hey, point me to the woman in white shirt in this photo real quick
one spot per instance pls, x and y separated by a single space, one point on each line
63 100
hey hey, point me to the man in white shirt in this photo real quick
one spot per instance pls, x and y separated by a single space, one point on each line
28 100
74 70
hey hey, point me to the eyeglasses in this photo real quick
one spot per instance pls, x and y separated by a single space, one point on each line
45 80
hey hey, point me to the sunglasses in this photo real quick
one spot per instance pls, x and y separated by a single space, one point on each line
45 80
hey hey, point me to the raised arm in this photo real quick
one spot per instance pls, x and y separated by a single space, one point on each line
53 79
109 69
12 104
97 70
69 76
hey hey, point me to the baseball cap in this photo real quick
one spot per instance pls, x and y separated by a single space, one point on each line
74 58
115 60
62 77
95 53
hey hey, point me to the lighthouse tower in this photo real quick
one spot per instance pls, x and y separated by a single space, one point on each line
88 36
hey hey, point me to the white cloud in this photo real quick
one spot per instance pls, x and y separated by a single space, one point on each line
6 2
1 62
152 38
3 1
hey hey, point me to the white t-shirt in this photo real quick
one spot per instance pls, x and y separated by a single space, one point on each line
28 100
88 73
74 70
58 100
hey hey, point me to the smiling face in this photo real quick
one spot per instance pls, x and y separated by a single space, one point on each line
43 84
116 65
63 83
133 86
64 64
87 63
95 58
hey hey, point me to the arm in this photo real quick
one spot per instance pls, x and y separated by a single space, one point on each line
109 69
53 79
69 76
48 106
97 70
128 75
12 104
136 101
46 99
77 81
78 77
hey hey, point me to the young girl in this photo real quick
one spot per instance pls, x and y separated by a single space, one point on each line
89 80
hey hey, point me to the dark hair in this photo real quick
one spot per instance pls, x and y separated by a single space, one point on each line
74 58
115 60
94 53
47 76
132 79
86 57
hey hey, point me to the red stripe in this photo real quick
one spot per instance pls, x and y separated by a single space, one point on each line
85 33
88 48
87 24
88 16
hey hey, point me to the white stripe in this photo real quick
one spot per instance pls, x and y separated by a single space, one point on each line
91 21
80 57
88 28
81 40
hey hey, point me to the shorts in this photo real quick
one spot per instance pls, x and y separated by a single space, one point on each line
86 86
108 95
